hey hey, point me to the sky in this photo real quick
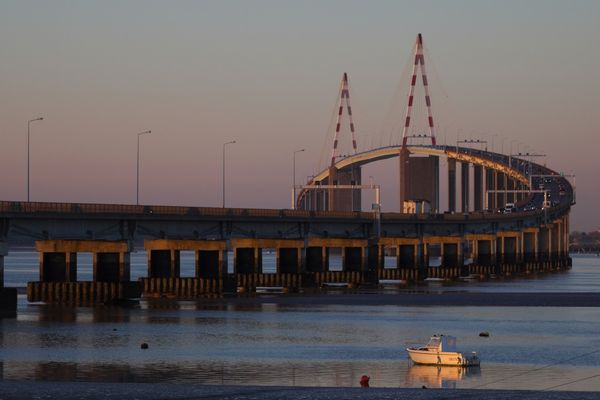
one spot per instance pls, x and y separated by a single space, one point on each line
266 74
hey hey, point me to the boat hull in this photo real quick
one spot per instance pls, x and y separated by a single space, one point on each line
428 357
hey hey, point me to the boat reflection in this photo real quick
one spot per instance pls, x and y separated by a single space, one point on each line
438 376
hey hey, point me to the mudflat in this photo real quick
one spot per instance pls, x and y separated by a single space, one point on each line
10 390
427 298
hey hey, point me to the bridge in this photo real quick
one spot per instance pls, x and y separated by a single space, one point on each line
518 223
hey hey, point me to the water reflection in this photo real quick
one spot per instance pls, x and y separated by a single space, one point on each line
438 376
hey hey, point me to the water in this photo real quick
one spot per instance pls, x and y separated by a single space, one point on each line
222 342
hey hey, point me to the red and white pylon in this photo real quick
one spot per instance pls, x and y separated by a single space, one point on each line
419 62
344 98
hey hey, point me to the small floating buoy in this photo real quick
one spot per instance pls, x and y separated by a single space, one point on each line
144 346
484 334
114 329
364 381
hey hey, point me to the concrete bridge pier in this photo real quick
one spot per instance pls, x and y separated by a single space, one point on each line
3 252
544 247
8 296
491 177
511 185
407 259
501 184
249 269
530 247
354 260
478 187
58 272
510 252
112 267
451 253
164 268
58 266
163 263
564 259
484 254
451 184
464 178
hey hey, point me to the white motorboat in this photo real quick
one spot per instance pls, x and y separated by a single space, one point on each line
441 350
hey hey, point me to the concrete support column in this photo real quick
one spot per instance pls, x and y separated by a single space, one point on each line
111 267
510 185
562 242
529 246
353 259
406 255
510 250
247 260
3 252
163 263
288 260
316 259
464 186
565 237
554 240
490 184
500 185
484 252
209 264
124 266
451 184
545 243
58 267
478 187
450 254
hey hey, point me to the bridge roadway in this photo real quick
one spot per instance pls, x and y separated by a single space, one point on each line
532 239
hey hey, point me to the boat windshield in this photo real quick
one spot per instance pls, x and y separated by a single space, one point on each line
434 342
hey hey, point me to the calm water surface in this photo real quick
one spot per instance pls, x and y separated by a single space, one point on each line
214 342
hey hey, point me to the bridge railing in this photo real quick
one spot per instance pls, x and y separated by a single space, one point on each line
9 207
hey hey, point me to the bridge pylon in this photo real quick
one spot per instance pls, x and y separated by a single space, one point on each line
334 199
419 64
419 177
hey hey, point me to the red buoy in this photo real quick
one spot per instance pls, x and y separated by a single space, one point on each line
364 381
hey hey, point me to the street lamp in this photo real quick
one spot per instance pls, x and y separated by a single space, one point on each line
294 178
137 197
28 141
493 136
225 144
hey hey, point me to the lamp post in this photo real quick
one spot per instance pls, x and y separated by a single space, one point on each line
294 178
225 144
28 141
493 136
137 186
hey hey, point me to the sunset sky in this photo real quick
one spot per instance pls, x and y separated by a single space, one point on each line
266 74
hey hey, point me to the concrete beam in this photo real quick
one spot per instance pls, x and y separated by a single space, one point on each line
395 241
190 245
442 239
266 243
82 246
337 242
